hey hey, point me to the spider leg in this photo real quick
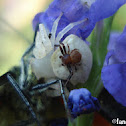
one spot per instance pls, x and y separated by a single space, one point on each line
71 74
20 93
64 48
63 94
68 28
64 100
75 67
44 38
68 49
42 87
56 46
54 28
24 67
61 50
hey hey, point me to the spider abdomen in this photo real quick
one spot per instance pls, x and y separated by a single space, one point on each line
75 56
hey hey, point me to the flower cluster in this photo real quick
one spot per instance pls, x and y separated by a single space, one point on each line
114 73
81 102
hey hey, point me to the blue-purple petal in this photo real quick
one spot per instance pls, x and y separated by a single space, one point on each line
108 56
96 102
120 47
36 20
116 48
111 58
75 10
114 80
81 93
72 9
80 101
112 40
105 8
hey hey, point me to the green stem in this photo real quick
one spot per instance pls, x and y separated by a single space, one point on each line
85 120
99 42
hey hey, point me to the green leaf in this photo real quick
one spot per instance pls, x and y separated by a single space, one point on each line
99 42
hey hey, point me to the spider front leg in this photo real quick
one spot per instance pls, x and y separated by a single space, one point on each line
42 87
65 100
61 50
54 28
63 94
71 74
68 28
64 48
68 49
14 84
24 64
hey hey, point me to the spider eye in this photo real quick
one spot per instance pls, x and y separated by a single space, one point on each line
50 35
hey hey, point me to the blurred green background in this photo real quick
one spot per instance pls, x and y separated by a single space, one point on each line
16 31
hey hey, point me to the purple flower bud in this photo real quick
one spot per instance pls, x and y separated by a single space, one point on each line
80 102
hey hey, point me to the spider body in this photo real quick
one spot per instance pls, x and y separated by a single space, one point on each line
70 58
66 59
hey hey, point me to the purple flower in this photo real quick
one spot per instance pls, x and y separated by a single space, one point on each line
80 101
114 74
75 10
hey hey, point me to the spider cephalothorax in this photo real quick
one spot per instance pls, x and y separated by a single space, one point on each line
70 58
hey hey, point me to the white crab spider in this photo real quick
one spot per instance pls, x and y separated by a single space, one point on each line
47 63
